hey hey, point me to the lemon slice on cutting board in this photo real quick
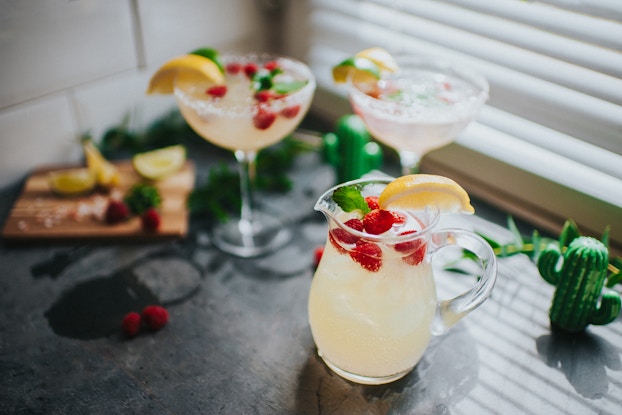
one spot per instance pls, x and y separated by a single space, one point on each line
160 163
416 191
191 67
72 182
106 173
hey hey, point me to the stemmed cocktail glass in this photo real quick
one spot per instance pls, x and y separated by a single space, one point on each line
264 99
420 107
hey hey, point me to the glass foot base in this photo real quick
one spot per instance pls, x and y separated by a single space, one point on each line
364 380
247 239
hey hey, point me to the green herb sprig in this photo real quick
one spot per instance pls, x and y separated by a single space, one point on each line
263 79
167 130
141 197
533 245
266 79
211 54
220 194
349 198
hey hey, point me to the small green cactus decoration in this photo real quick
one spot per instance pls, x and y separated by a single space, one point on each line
350 149
579 280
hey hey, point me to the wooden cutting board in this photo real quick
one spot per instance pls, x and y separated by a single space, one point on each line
38 214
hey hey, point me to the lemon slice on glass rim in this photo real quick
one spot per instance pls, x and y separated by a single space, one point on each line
416 191
72 182
366 66
160 163
381 57
356 69
189 66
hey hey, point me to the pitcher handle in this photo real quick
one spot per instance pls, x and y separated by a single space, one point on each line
449 312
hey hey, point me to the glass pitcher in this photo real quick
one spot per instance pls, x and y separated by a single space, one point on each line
373 307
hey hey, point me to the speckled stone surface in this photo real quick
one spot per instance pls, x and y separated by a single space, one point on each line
238 340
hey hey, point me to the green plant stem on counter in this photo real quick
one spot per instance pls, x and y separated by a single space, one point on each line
220 193
535 244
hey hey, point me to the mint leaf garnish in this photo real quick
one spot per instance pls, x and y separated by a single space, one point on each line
349 198
262 80
266 79
211 54
288 87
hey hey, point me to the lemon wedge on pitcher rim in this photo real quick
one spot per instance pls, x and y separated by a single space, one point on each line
160 163
189 66
416 191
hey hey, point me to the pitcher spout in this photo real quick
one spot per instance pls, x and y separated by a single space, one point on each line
326 203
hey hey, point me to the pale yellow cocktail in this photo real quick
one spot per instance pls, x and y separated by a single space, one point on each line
243 103
243 119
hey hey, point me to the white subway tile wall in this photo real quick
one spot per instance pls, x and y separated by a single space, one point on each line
73 66
37 133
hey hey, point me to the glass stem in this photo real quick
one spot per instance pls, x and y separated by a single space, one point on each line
410 162
246 166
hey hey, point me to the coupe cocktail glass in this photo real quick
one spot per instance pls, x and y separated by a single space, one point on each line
421 107
244 123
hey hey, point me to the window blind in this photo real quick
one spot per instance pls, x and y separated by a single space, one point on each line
554 115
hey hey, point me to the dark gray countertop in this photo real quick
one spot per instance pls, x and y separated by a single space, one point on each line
238 341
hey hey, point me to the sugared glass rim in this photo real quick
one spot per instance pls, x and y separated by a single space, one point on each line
434 63
299 67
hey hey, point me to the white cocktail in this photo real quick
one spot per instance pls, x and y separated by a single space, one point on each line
420 107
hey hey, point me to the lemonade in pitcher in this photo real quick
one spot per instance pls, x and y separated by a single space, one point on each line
373 306
372 322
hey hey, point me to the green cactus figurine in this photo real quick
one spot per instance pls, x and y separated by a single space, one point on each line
579 281
350 149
